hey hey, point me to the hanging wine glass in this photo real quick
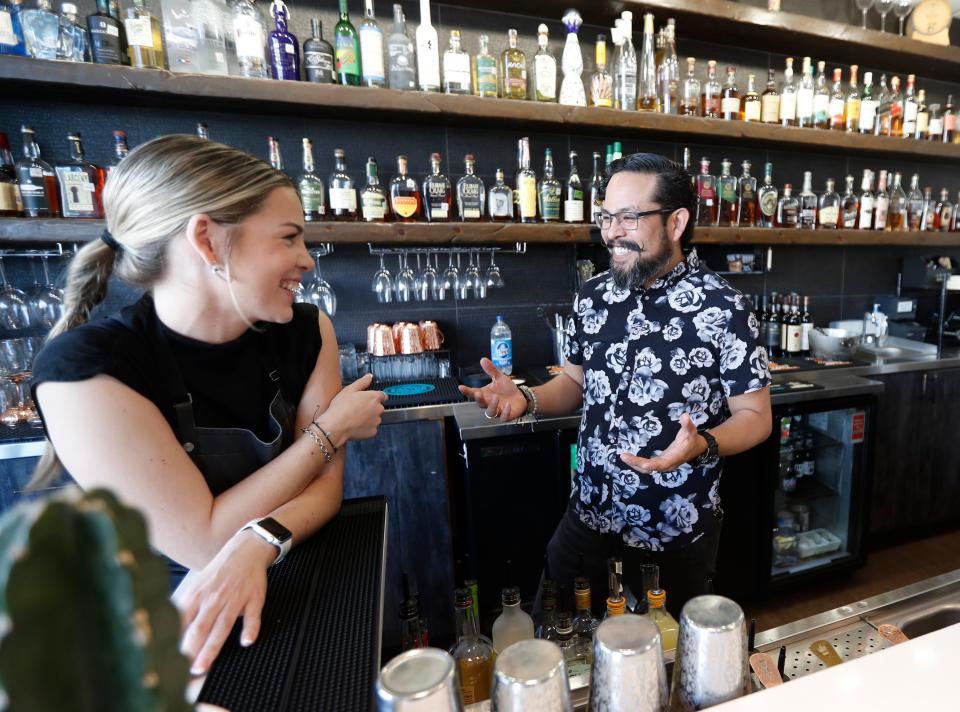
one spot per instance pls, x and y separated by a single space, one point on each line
901 10
884 7
864 6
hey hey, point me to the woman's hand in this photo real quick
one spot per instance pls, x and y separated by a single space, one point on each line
500 398
354 413
211 599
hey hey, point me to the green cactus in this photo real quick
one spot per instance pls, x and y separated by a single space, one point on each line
90 623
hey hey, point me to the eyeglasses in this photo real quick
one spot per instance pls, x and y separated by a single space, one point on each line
628 220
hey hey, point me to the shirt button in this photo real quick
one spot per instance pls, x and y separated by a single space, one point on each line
620 402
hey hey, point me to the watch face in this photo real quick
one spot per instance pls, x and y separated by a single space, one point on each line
275 528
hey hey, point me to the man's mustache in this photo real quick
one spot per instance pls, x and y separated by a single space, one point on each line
626 245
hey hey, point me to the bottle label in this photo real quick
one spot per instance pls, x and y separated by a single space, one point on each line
545 71
346 51
550 203
8 196
7 35
868 115
804 103
343 199
249 34
573 210
829 215
139 32
821 107
501 352
935 128
439 210
808 216
456 70
402 75
850 216
486 76
470 198
751 111
311 196
528 197
374 206
77 191
371 52
768 203
923 124
910 111
428 61
773 336
950 122
794 338
515 77
501 204
836 112
404 205
788 107
866 213
728 191
730 105
880 214
318 66
770 108
104 41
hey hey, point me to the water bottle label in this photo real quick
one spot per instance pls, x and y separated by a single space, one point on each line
501 352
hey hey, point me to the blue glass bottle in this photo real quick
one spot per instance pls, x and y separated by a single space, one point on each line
283 46
11 34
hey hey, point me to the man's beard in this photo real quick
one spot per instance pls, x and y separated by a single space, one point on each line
647 265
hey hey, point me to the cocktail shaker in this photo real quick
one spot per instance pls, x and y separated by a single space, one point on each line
628 670
419 680
530 676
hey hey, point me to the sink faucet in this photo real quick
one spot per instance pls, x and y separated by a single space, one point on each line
879 321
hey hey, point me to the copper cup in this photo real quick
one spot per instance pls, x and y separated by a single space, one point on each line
397 328
410 342
371 330
382 341
430 335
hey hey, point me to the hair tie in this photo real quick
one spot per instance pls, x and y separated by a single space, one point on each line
110 242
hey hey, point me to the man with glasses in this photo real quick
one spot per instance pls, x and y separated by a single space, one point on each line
663 356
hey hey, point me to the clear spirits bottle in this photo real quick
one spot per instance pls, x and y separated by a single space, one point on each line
584 624
707 199
544 68
41 30
571 62
456 67
318 57
513 624
851 109
788 209
513 69
250 34
373 73
401 57
690 100
750 102
473 653
616 39
728 196
865 211
144 41
712 89
923 116
283 46
897 214
746 197
626 67
11 31
73 42
500 200
914 204
106 45
601 83
805 93
944 212
404 194
573 198
849 205
829 213
437 193
471 193
211 33
546 627
596 185
668 72
373 198
868 106
881 203
428 51
647 77
928 219
788 96
486 74
120 149
525 186
808 203
38 181
81 183
311 187
346 44
881 124
340 189
576 663
838 102
549 191
910 109
821 98
767 197
770 100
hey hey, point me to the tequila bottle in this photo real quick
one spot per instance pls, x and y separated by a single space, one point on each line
829 208
318 56
596 185
577 663
573 199
486 80
746 197
437 193
851 109
81 183
626 78
914 204
544 68
250 35
546 627
788 96
849 205
471 192
928 219
788 209
525 186
911 108
584 624
401 57
710 101
868 106
821 98
668 73
38 181
340 188
728 196
472 653
456 67
838 103
428 51
404 194
548 191
41 30
730 97
373 198
690 100
770 100
897 215
311 187
707 199
500 200
865 213
11 31
601 84
513 68
144 43
73 43
211 37
805 92
669 628
571 88
284 47
346 43
881 203
647 77
808 203
371 49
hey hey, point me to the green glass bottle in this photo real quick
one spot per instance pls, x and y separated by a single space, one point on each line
549 191
347 48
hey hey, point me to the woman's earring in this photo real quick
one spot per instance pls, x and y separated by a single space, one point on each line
217 270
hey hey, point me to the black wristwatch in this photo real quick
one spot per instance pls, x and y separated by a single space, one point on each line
711 455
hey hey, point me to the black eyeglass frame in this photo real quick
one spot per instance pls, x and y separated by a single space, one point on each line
636 215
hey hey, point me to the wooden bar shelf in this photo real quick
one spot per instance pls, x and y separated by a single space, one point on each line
24 230
91 82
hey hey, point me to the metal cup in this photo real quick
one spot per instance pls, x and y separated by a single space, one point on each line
410 342
430 335
530 676
419 680
382 341
712 664
628 670
371 330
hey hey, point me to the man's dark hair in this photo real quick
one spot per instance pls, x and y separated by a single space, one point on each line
674 188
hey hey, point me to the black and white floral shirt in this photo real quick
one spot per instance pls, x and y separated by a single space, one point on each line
684 345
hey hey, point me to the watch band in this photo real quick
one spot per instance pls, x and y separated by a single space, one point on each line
711 455
281 537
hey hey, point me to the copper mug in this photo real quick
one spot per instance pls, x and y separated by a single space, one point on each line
382 341
410 342
396 329
430 335
371 330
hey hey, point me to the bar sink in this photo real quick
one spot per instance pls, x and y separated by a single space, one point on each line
931 621
924 613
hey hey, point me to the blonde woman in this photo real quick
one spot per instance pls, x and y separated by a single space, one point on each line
214 403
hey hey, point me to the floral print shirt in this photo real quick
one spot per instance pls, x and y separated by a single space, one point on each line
684 345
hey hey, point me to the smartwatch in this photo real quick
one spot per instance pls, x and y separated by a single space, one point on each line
272 532
711 455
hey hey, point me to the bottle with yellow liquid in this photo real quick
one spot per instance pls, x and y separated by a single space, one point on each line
658 613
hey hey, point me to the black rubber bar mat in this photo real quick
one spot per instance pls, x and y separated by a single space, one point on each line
421 391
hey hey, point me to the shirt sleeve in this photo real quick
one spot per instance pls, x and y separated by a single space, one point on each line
743 360
573 343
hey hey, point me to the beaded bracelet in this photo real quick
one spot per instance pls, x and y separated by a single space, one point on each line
323 448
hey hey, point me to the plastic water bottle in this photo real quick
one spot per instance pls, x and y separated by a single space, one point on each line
501 346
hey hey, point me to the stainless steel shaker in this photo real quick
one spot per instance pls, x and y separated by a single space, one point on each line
530 676
712 664
628 670
419 680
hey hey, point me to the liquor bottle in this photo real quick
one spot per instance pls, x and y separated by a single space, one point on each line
41 30
626 67
571 62
712 89
935 123
202 131
11 205
616 603
471 193
273 150
773 328
318 56
690 98
404 194
412 633
525 185
437 193
343 195
456 67
584 624
851 108
38 181
310 187
881 126
785 326
794 330
770 100
250 36
212 33
346 44
788 96
549 191
486 80
11 31
746 198
838 103
868 106
865 216
928 218
806 326
144 41
573 655
596 185
949 120
788 208
616 38
81 183
881 203
829 207
428 51
668 72
728 196
513 623
944 212
647 77
897 214
667 624
849 206
472 653
283 46
513 68
500 200
601 83
821 98
808 203
707 199
401 57
767 199
573 194
762 319
73 42
805 93
895 109
910 109
914 204
923 117
373 73
730 97
544 68
546 628
617 151
106 43
750 103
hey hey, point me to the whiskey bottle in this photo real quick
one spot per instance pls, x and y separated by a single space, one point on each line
372 73
250 35
914 204
881 203
949 121
513 69
437 193
500 200
486 79
549 191
456 67
11 205
928 218
545 68
668 72
897 215
788 96
318 61
525 190
805 94
401 57
865 215
944 212
404 194
923 117
747 197
120 149
728 196
626 66
935 127
273 151
895 109
472 653
573 200
428 51
829 212
690 101
821 98
596 186
808 203
710 102
770 100
373 198
144 41
346 44
311 187
788 209
767 199
881 126
601 83
910 109
750 103
838 103
81 183
868 106
283 46
730 97
471 193
106 40
849 206
707 199
38 181
343 195
647 77
851 109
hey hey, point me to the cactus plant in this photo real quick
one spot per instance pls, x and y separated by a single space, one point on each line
89 624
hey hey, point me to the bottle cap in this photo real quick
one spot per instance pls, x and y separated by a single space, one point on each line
435 157
510 596
463 598
657 598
